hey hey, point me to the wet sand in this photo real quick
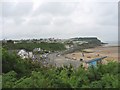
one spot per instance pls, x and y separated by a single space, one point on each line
110 51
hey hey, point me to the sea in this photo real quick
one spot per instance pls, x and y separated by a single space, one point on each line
112 43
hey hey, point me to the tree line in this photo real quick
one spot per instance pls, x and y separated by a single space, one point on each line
31 46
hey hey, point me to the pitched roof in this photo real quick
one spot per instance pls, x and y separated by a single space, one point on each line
96 59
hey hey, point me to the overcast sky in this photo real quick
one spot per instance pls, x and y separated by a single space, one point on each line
42 19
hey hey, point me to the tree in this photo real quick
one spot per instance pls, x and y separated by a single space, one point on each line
110 81
9 79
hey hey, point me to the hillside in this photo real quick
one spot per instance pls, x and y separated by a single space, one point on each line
83 43
31 46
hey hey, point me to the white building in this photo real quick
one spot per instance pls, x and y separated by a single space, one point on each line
67 46
37 50
23 54
15 42
30 54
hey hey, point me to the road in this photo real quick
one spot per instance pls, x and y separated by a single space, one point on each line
58 60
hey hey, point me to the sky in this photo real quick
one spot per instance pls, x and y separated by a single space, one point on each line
28 19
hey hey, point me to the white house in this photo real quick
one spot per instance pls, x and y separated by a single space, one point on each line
67 46
30 54
23 54
37 50
15 42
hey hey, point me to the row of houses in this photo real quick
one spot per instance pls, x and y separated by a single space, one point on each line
49 40
26 54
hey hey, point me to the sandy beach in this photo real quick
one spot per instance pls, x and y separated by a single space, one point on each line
110 51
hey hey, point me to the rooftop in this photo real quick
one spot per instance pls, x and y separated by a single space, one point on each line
96 59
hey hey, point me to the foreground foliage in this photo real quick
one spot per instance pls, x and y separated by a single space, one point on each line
19 73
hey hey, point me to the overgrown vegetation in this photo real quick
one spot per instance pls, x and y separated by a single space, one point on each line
31 46
18 73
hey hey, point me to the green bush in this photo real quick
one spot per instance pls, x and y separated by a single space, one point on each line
18 73
31 46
